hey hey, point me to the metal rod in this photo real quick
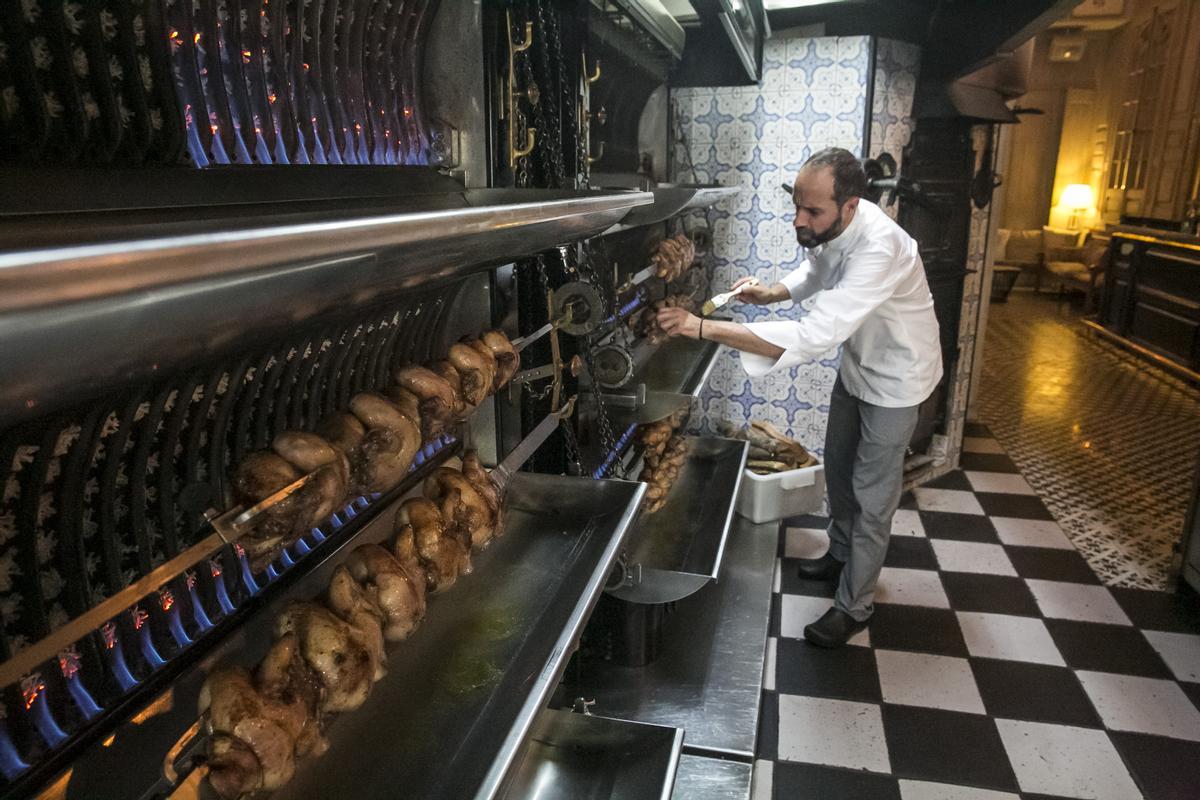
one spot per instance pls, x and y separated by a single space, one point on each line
521 342
529 445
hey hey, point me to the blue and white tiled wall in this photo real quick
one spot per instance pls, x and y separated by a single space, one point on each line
813 95
897 67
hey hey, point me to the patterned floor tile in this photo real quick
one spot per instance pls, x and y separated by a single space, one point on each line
997 504
910 552
1031 533
976 444
924 790
928 681
1178 612
1106 648
1107 441
987 462
1033 692
847 674
910 587
793 781
986 559
907 523
1065 761
1181 651
1012 638
835 733
922 630
1142 705
1052 564
1002 482
959 527
992 594
955 501
1167 769
1077 601
797 611
762 780
947 747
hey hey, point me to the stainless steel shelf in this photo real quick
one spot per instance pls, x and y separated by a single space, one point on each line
77 319
707 678
675 552
573 756
461 695
702 778
668 378
671 199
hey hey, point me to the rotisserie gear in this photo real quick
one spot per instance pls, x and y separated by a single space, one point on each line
508 360
435 394
400 596
336 651
442 555
350 601
267 728
474 370
387 450
470 511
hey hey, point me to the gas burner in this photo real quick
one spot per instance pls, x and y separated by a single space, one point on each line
613 366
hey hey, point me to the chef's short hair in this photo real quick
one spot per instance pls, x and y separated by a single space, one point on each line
849 179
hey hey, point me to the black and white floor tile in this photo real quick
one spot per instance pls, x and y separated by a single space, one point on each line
1107 441
997 665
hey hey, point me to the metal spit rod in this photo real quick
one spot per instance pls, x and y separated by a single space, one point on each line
228 527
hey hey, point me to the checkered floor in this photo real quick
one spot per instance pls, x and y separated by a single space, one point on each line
996 665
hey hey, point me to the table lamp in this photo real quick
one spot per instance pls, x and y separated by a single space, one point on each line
1079 198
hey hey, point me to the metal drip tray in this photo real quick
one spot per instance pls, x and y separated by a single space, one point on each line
671 199
666 381
675 552
573 756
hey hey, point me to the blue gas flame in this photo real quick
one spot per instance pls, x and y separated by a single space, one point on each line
11 763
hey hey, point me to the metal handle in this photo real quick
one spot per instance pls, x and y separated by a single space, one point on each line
595 76
530 139
598 156
526 42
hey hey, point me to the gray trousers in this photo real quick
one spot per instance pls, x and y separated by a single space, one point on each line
864 470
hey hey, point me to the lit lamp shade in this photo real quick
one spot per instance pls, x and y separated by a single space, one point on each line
1079 198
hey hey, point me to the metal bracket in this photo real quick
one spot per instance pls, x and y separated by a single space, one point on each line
514 47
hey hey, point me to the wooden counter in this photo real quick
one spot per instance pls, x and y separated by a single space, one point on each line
1152 295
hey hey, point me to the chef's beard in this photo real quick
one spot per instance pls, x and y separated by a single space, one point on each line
809 238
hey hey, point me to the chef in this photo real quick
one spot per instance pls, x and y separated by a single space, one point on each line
869 293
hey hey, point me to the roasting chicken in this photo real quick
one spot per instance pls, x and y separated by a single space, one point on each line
645 325
335 650
260 475
482 481
663 454
673 257
256 743
436 397
399 595
342 430
386 452
470 511
508 360
285 677
350 601
421 529
476 372
446 370
308 452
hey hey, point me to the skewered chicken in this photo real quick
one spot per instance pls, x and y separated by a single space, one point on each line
489 358
261 755
385 453
352 603
481 480
446 370
342 430
260 475
508 360
673 257
408 403
308 452
476 373
442 555
471 511
336 651
397 594
284 676
645 324
435 394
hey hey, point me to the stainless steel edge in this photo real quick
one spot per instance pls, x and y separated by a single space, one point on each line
35 278
702 778
658 22
673 767
671 199
546 681
706 373
737 488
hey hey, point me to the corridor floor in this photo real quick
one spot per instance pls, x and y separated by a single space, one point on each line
997 665
1107 442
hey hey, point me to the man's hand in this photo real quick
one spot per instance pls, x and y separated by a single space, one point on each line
760 295
678 322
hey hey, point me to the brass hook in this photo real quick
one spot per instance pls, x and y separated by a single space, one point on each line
598 156
530 138
595 76
527 42
514 152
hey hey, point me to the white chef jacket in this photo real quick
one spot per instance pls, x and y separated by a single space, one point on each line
871 295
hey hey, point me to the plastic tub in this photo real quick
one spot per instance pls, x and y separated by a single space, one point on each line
764 498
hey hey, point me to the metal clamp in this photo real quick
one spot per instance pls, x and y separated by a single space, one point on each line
514 47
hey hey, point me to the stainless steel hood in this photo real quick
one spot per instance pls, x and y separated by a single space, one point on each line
76 319
657 21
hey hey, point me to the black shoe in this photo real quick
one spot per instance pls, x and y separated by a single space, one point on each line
825 568
834 629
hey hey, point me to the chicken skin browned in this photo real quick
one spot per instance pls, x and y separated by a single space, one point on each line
442 556
284 676
260 475
434 393
473 470
399 596
342 430
471 511
336 650
309 453
446 370
508 360
386 452
267 729
475 371
350 601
